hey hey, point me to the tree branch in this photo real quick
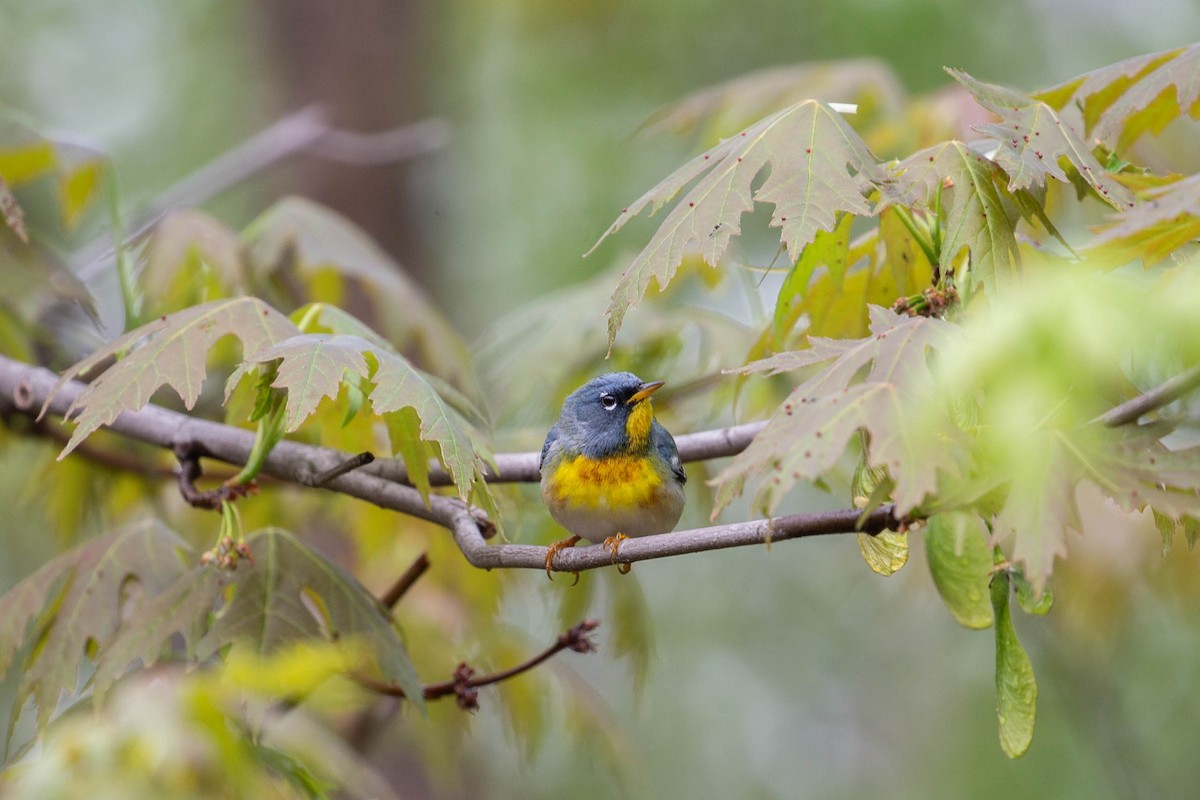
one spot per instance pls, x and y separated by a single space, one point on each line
464 684
1165 393
405 581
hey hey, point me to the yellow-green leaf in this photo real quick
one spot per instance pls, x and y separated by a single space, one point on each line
885 552
1016 687
960 561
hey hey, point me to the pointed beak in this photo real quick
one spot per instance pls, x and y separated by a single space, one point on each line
646 390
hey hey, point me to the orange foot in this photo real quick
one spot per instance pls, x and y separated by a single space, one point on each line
611 544
552 551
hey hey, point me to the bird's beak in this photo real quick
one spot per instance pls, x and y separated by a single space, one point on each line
646 390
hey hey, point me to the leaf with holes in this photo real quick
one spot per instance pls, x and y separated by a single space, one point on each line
818 167
808 434
977 218
1032 141
84 596
169 351
290 593
313 366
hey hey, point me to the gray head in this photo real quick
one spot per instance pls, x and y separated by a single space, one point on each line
597 413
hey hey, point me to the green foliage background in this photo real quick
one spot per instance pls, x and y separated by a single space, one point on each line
772 673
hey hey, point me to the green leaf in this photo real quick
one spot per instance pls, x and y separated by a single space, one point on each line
311 367
300 235
169 352
960 561
290 593
1166 527
98 583
829 249
185 242
1168 91
976 216
1032 140
1031 601
885 552
807 434
818 167
1016 687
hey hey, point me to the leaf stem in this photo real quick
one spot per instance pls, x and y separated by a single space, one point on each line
266 436
922 240
112 197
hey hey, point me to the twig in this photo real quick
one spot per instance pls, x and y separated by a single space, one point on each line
411 575
352 463
1165 393
464 684
303 131
188 454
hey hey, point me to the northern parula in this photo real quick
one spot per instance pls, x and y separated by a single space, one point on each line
609 469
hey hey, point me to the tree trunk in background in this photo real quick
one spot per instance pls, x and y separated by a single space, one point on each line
361 60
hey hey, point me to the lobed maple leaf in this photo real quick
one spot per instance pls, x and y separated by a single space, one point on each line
1157 229
1033 139
977 218
808 433
818 167
314 366
170 351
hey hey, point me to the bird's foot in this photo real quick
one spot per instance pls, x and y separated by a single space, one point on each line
553 550
611 544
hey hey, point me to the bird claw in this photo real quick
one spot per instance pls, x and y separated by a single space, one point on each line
554 549
611 545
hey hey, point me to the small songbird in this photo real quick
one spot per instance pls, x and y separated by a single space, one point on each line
609 469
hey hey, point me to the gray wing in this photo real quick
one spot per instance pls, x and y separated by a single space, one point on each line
551 438
664 443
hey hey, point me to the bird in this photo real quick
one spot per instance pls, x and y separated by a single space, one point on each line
609 469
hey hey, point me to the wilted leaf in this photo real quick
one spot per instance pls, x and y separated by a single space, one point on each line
885 552
312 366
1016 687
976 217
818 167
300 234
809 432
263 606
1032 139
960 561
94 583
169 351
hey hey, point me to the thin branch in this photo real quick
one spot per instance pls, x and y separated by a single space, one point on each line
352 463
303 131
464 684
405 582
1164 394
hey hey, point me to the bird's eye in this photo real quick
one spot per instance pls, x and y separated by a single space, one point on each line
608 401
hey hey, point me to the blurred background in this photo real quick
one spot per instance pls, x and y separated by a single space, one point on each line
789 672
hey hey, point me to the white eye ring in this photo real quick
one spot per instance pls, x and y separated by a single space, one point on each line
608 401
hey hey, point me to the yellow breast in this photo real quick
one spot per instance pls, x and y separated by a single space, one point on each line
615 482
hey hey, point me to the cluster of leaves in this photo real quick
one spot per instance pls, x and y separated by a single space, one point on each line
977 399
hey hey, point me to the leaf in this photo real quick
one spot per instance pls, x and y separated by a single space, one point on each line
26 155
11 212
960 562
169 352
301 235
809 432
1031 601
1163 94
1016 687
829 249
818 167
264 607
730 106
976 216
885 552
312 366
1155 230
98 582
188 239
1032 140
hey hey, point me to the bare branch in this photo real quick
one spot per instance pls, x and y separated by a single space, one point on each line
464 683
405 581
1164 394
352 463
